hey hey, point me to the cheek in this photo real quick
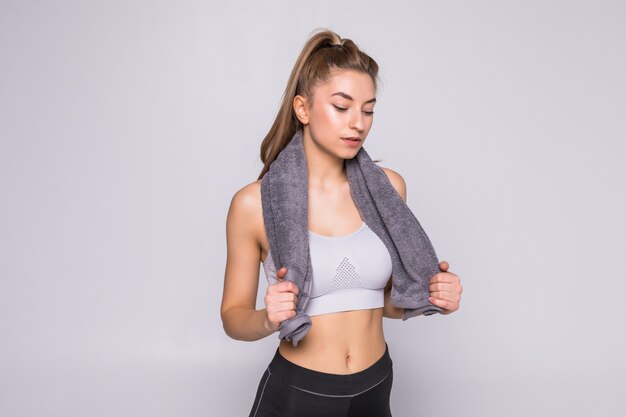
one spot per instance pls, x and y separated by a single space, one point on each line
326 124
330 117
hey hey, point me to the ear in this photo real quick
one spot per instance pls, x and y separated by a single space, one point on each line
301 108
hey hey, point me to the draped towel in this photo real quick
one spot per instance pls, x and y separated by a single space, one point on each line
284 197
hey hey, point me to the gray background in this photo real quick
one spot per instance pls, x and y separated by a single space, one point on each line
127 126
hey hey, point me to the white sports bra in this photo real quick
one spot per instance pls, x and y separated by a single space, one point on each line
349 272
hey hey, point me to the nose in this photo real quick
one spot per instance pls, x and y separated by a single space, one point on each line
357 120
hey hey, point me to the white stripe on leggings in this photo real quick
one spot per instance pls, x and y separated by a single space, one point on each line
328 395
262 391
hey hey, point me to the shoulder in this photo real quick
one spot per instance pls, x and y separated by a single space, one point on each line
245 212
247 198
397 181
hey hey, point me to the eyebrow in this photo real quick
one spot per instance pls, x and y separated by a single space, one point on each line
347 96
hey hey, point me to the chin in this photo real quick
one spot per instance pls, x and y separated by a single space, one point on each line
351 154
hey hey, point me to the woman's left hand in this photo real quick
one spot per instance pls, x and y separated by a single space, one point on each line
445 289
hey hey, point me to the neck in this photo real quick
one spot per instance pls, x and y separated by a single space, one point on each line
323 167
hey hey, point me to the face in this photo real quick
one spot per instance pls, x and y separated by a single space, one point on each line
341 108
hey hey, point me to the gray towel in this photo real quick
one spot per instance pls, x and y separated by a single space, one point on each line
284 197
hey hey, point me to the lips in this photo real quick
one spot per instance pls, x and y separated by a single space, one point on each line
353 141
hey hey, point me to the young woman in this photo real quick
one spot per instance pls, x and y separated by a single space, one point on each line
342 366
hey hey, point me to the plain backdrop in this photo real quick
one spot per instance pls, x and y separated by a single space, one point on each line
127 126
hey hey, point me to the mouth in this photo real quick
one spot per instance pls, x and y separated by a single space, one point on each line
352 141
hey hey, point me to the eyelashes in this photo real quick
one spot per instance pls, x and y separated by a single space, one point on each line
343 109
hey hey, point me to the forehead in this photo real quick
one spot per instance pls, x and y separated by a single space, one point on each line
354 83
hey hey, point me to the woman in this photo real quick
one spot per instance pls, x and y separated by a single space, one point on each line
342 366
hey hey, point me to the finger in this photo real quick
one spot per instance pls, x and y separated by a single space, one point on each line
442 286
288 314
442 295
284 307
441 303
444 277
289 305
288 286
450 285
444 265
449 302
281 272
287 296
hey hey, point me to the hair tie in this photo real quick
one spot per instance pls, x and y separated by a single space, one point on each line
330 45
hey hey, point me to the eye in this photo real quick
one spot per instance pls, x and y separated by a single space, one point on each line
342 109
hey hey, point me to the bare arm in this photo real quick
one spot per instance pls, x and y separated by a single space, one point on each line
398 183
389 310
240 318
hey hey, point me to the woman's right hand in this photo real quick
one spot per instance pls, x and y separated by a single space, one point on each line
280 301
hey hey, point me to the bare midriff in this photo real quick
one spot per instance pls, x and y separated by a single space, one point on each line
339 343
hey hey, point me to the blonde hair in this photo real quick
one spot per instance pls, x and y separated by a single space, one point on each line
324 51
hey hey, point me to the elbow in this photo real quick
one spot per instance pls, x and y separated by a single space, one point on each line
389 310
226 329
232 323
226 324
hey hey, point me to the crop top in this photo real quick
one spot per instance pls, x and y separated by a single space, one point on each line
349 272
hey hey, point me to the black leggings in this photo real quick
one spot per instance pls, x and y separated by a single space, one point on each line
290 390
